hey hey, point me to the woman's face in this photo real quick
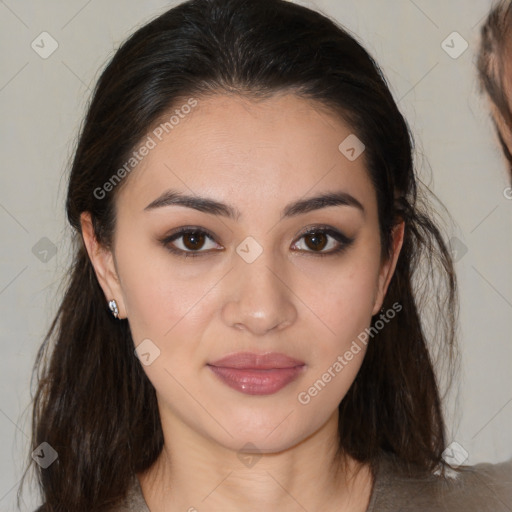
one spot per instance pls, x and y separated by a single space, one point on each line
256 283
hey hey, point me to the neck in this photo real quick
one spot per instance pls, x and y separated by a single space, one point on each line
194 473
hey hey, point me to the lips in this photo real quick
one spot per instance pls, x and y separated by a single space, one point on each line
250 360
257 374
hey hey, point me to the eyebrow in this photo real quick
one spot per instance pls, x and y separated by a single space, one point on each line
211 206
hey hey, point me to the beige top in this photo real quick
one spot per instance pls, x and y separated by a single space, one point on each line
481 488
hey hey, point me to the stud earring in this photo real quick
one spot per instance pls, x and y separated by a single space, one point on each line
113 307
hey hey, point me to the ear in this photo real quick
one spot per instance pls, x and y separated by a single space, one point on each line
102 260
388 266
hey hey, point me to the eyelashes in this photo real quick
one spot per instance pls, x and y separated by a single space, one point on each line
190 233
194 238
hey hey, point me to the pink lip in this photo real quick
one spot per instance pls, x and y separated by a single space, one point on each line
257 374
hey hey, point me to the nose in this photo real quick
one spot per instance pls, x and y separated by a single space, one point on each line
260 296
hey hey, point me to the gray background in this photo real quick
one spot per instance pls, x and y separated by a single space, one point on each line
43 100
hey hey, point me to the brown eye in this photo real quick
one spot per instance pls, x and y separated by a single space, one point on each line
193 241
319 238
189 241
316 241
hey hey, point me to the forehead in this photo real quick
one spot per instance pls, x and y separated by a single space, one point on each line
246 152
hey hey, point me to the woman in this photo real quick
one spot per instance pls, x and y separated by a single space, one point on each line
495 72
245 202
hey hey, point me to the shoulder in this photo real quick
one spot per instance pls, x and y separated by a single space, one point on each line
481 488
133 502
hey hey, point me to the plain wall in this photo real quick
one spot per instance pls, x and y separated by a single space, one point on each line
42 103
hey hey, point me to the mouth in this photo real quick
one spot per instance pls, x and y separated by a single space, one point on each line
257 374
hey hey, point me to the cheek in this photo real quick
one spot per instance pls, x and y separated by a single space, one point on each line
349 296
344 299
171 310
338 353
344 294
340 350
162 295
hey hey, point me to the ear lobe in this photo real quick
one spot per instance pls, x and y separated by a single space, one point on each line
103 262
388 267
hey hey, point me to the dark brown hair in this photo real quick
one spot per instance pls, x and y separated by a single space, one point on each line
94 404
495 49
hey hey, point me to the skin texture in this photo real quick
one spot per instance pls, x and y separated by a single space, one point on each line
258 157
